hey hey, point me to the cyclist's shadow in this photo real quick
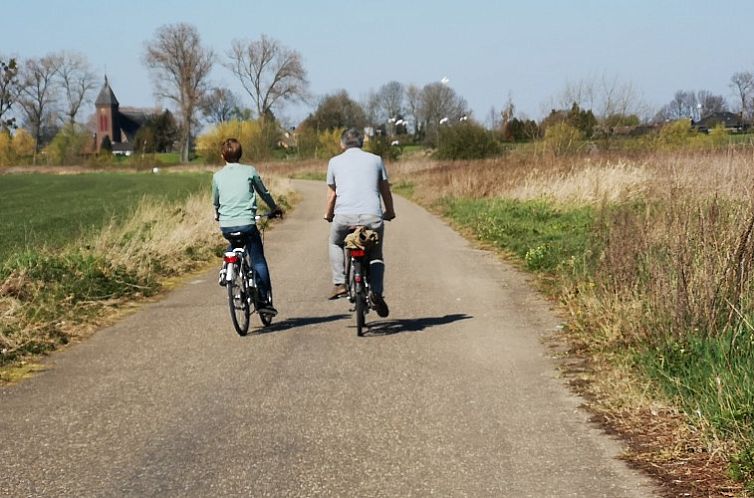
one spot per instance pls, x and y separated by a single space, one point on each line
292 323
389 327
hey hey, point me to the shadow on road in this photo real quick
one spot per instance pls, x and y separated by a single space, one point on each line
389 327
292 323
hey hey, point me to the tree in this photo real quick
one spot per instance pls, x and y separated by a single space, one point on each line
9 89
269 72
180 66
683 106
38 95
76 80
388 101
413 97
158 134
582 120
336 111
710 103
742 84
220 105
439 104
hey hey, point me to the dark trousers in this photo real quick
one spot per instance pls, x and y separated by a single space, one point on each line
254 250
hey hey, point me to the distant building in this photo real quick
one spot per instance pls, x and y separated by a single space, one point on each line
116 126
730 120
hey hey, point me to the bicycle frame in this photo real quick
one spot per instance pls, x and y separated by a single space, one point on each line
357 285
237 264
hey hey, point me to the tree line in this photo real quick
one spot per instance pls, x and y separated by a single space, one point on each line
45 93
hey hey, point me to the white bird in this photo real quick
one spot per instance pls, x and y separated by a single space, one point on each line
444 120
395 142
445 80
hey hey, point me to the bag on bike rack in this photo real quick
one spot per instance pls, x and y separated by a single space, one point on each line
362 238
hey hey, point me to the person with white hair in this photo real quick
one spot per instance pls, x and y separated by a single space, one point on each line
357 186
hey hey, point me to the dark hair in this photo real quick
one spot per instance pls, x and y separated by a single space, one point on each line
231 150
352 137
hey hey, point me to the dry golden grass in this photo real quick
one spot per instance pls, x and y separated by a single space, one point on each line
42 308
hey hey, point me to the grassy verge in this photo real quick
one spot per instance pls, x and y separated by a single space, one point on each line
653 261
46 210
50 296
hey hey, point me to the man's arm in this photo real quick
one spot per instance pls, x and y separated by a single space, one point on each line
330 206
387 198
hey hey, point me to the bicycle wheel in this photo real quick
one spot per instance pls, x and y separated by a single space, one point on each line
237 301
360 299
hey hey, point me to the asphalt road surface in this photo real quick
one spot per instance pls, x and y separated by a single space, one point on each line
454 394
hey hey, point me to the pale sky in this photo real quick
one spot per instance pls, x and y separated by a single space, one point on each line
487 49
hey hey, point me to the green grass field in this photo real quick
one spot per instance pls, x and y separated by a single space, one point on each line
55 210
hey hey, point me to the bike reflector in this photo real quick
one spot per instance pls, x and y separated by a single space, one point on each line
231 257
357 253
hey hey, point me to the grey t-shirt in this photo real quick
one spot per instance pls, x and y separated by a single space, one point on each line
356 175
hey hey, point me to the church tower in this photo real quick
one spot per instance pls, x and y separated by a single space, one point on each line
107 116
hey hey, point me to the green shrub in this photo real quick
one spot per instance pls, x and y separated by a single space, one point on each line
69 146
466 141
562 138
382 146
258 139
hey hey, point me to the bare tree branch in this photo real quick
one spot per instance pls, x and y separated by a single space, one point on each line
77 81
269 72
39 92
180 66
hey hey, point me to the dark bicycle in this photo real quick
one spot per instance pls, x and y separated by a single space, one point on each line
241 281
357 275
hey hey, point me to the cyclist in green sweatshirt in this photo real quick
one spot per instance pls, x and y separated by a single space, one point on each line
234 195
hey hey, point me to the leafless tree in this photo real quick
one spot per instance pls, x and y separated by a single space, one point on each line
220 105
39 93
413 97
77 81
180 66
438 104
710 103
390 98
742 84
605 97
683 106
9 90
269 72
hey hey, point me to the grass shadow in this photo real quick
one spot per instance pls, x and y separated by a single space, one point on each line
390 327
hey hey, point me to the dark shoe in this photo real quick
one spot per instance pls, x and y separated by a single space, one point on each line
338 290
267 309
379 305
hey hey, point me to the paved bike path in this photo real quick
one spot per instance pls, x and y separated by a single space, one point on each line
452 395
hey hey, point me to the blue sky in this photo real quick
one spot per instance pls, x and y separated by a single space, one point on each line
488 49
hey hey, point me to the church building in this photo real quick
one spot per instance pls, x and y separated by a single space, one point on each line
116 127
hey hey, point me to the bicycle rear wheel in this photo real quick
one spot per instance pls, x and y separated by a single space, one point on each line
238 302
359 296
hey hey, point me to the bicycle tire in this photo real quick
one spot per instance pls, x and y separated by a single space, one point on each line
238 302
360 299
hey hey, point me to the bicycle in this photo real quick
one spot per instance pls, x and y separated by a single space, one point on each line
241 283
357 281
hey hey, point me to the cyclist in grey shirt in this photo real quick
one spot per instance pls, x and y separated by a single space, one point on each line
357 185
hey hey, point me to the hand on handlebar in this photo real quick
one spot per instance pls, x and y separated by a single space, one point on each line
388 215
276 213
